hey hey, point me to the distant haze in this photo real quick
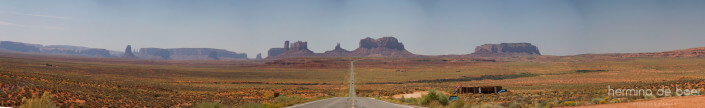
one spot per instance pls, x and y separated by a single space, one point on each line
557 27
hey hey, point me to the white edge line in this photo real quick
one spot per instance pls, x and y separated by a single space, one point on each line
391 103
308 103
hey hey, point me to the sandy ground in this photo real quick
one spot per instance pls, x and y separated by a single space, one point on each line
669 102
416 94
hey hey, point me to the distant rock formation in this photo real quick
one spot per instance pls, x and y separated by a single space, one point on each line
144 53
296 49
382 47
183 53
259 56
54 49
189 54
17 46
506 49
154 53
275 51
384 42
95 52
691 52
128 52
337 50
59 51
165 54
368 43
286 45
299 47
75 50
62 49
213 55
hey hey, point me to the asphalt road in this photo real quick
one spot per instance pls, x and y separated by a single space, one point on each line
350 102
346 102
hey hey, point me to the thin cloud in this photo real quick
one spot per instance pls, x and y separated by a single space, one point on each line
11 24
38 15
49 16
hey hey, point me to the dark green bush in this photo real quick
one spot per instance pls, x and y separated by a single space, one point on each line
432 96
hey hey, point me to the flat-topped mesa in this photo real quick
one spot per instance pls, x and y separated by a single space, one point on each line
154 52
75 50
506 49
213 56
384 42
54 49
198 53
18 46
298 47
95 52
275 51
382 47
189 54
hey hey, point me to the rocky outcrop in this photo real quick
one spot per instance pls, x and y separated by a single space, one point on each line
382 47
189 53
368 43
128 52
144 53
259 56
62 49
154 53
384 42
17 46
337 50
213 55
506 49
54 49
163 53
275 51
75 50
221 53
286 45
298 47
95 52
692 52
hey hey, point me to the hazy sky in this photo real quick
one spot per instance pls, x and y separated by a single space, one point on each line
557 27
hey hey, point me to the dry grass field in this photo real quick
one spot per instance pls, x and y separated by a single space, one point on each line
535 81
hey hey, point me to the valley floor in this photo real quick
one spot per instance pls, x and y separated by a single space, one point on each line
532 81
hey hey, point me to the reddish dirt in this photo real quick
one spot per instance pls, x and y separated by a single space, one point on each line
669 102
416 94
